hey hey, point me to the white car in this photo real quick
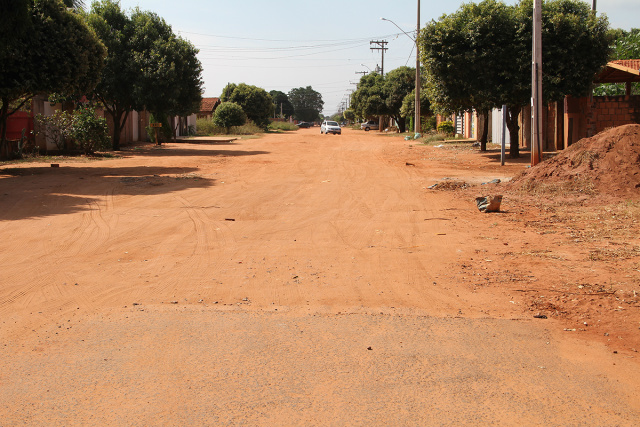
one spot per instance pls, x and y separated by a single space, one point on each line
330 127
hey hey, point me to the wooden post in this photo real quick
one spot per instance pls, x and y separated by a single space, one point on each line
417 128
536 85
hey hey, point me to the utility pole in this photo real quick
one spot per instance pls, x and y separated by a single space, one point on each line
416 127
380 45
536 86
364 73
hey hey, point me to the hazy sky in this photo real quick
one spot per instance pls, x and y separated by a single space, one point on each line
284 44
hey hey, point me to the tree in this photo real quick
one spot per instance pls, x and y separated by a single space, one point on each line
409 105
398 84
171 82
307 103
480 56
118 87
367 100
349 114
147 66
255 102
467 55
626 45
229 114
53 50
281 103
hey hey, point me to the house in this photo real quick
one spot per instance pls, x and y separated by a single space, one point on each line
208 107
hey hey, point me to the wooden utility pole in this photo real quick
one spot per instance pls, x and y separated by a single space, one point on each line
381 47
417 127
536 85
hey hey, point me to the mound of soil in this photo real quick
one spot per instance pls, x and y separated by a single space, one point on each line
607 163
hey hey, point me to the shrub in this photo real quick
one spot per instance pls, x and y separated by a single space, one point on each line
249 128
229 114
282 126
58 127
89 131
205 127
429 124
446 128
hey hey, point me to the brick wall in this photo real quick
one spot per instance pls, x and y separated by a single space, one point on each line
611 111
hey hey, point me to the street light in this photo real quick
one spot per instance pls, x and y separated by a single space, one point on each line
367 68
415 40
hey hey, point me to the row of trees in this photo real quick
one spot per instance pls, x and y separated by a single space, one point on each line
259 106
479 58
124 61
390 95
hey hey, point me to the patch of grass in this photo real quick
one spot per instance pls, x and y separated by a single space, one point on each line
557 189
205 127
433 138
621 252
282 126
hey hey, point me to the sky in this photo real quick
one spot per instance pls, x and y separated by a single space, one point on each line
286 44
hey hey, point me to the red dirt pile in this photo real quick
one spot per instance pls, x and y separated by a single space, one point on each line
607 163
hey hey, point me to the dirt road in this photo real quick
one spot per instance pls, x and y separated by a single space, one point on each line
295 279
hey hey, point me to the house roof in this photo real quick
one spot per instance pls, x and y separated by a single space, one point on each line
620 71
209 104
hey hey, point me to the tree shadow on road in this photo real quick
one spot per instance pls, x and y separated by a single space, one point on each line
41 191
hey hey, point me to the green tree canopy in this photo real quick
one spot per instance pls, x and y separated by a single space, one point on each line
409 104
52 51
398 84
229 114
626 45
367 100
349 114
147 66
307 103
281 103
171 73
255 101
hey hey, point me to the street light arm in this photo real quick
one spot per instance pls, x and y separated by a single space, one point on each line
405 33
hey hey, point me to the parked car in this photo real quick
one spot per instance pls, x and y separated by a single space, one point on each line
371 124
304 124
330 127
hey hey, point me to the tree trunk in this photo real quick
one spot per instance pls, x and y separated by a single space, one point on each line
512 124
118 125
485 130
402 124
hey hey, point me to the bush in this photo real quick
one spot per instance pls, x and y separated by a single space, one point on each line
282 126
205 127
58 127
228 115
429 124
249 128
89 131
446 128
434 137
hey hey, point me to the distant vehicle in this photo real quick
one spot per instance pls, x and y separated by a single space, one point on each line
330 127
369 125
304 124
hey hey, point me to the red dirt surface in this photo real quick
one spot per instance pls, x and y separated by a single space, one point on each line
306 279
